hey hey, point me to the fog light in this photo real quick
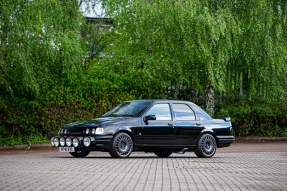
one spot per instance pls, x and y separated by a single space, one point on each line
62 141
56 142
52 141
75 142
87 141
68 141
93 131
87 131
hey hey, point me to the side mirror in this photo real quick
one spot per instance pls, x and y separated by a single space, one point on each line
149 117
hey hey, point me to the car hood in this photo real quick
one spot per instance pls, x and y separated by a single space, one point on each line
96 122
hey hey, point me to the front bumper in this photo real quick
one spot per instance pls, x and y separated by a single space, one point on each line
98 142
225 141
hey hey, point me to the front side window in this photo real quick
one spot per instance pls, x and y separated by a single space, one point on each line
183 112
161 111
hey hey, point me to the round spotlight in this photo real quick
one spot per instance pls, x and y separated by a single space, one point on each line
93 131
68 141
75 142
87 131
52 141
66 131
62 131
56 142
62 141
87 141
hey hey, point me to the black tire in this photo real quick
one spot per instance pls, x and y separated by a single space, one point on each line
162 153
206 146
122 146
80 153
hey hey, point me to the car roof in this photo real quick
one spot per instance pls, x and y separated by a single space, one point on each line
163 100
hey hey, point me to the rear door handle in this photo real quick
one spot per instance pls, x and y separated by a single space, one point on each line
170 124
198 124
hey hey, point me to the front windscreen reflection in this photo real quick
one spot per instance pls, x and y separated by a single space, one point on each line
131 109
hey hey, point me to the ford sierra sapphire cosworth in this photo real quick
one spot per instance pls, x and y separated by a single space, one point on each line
159 126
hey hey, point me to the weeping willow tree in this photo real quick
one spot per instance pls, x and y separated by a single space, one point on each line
40 45
236 47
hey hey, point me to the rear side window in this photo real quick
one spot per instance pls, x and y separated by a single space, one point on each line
202 115
183 112
161 111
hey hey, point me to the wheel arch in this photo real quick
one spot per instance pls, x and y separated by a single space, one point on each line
208 132
127 132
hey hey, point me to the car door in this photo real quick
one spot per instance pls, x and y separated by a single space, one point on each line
188 126
161 131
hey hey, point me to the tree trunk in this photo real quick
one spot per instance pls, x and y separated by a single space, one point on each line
241 84
177 88
210 97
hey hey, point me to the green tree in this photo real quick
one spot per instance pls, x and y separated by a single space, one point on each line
40 45
223 46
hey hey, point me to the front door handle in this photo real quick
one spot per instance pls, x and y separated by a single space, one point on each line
170 124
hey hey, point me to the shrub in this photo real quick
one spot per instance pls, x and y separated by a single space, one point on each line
257 117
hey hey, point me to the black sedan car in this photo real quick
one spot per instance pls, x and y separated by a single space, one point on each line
159 126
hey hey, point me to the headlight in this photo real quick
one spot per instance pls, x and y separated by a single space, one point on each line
75 142
56 142
87 141
231 131
93 131
62 141
68 141
87 131
99 131
52 141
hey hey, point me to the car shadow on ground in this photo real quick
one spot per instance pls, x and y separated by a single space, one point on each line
131 157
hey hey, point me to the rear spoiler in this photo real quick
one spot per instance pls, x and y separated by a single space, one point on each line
224 118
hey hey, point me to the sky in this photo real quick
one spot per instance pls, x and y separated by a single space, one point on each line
99 12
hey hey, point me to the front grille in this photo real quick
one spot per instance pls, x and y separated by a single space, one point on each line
76 133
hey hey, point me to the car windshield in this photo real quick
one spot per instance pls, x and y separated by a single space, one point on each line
131 109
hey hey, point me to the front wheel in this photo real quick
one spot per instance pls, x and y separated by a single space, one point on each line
206 146
162 153
122 146
80 153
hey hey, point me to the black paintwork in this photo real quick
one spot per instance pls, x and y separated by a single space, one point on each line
153 135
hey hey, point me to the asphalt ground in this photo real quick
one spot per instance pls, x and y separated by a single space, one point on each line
242 166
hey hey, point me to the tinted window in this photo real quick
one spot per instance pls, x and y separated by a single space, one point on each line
133 109
183 112
200 112
161 111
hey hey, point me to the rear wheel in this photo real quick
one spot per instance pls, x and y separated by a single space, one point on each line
206 146
122 146
162 153
80 153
